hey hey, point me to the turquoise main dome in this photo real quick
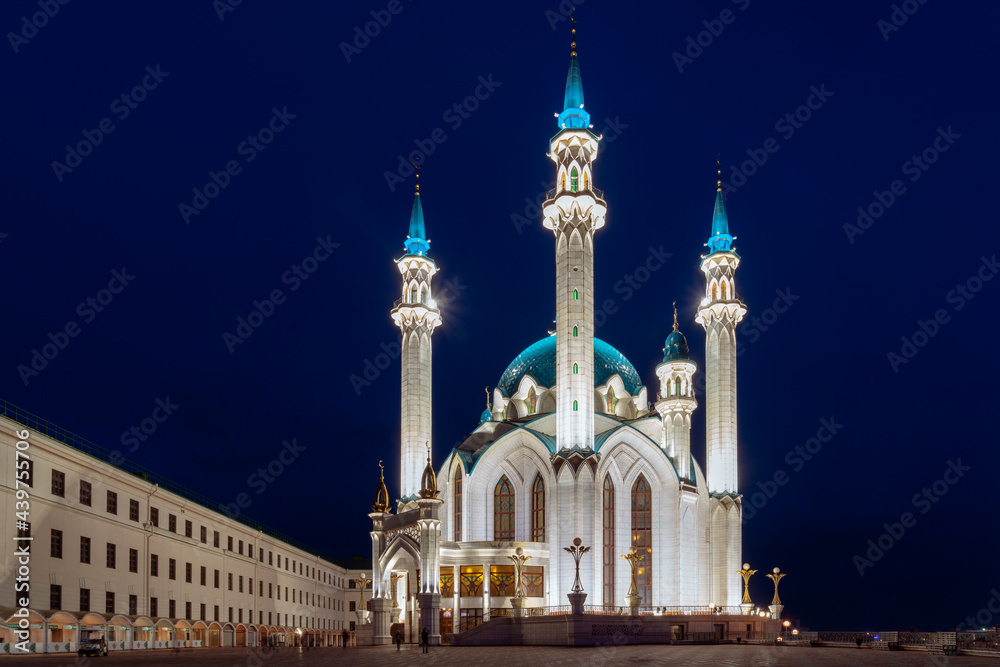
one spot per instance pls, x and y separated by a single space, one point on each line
539 361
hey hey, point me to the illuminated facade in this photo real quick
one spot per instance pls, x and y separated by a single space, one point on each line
570 445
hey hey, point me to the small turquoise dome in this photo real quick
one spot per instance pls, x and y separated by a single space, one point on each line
487 416
539 361
676 347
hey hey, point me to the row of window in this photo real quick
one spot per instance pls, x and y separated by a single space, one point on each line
86 495
503 510
55 602
641 534
574 180
297 595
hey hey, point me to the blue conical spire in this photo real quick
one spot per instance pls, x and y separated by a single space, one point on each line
416 243
720 240
573 115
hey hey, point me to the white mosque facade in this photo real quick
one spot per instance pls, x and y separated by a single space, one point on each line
573 445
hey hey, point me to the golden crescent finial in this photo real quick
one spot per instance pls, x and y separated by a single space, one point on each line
416 167
573 32
675 316
428 445
487 390
381 470
718 166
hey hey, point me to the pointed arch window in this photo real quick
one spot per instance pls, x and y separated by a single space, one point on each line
642 537
562 181
715 291
725 291
576 368
612 401
576 295
538 510
413 293
575 331
574 180
576 406
532 401
677 386
457 513
586 180
608 540
503 510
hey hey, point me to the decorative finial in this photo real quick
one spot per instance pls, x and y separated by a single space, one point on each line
428 445
381 470
718 166
573 21
675 316
417 168
487 389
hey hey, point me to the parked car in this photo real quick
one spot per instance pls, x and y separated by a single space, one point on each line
94 647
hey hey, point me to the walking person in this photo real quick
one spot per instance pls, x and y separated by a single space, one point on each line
399 639
424 638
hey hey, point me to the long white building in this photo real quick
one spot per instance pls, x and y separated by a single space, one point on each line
112 552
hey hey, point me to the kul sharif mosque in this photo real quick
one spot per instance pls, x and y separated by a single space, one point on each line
574 445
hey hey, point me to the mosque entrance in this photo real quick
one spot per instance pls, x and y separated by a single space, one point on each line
446 626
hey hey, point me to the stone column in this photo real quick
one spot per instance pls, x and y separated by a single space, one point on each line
430 616
380 621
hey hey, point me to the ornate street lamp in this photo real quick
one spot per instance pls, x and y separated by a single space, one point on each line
517 602
577 597
633 556
776 605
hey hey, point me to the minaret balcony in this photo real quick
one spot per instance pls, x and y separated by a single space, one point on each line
407 314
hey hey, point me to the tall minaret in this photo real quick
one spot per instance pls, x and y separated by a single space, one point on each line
676 401
574 211
720 311
416 314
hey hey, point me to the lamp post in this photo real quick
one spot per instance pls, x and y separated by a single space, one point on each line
746 573
517 602
393 581
577 597
361 612
776 605
633 598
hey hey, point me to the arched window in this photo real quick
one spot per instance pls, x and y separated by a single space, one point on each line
574 180
532 401
642 538
714 291
725 291
576 368
574 331
538 510
413 293
608 522
586 180
612 401
423 294
677 386
503 510
576 295
562 181
457 513
576 406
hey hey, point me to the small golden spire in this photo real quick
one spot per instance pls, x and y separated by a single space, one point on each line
428 481
487 389
718 166
675 316
381 505
573 21
417 168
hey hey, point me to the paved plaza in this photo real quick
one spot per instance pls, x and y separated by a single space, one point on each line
526 656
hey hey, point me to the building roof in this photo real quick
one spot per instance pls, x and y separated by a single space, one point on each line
539 361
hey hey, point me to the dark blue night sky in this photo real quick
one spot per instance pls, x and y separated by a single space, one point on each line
229 159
